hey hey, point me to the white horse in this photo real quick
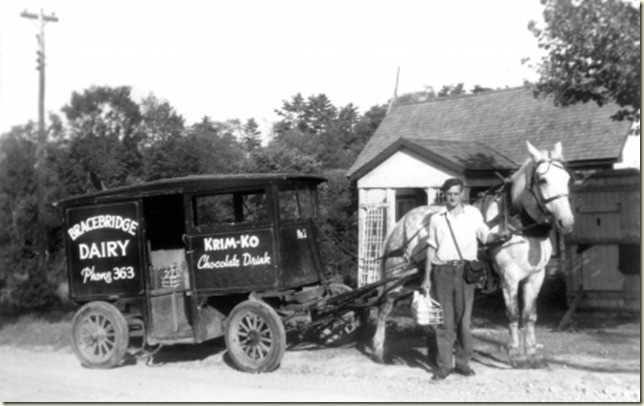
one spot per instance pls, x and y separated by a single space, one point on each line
539 201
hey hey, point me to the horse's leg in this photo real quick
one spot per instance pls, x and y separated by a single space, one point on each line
511 297
378 343
531 289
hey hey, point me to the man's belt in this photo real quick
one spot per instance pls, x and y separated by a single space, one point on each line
451 263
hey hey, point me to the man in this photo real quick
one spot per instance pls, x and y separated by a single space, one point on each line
444 270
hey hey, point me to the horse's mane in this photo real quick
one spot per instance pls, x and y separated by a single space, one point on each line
520 181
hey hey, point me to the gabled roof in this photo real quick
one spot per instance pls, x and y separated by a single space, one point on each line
501 121
460 156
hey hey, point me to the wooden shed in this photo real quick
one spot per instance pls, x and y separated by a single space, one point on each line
603 252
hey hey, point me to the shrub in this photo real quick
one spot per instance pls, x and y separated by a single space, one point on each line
339 227
35 294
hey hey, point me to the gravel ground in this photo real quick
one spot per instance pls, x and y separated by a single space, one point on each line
597 359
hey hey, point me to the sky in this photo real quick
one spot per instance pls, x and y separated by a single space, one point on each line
241 59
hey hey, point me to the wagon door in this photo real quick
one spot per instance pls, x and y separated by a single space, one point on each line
231 242
169 280
301 260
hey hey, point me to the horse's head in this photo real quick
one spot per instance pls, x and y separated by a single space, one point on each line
547 179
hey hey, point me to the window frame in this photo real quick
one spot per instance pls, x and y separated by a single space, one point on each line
298 188
238 209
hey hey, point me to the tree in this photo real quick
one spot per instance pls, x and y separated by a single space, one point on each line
17 195
19 232
215 147
368 124
446 91
292 113
339 226
311 116
452 90
159 120
104 129
251 137
316 128
593 53
416 97
280 158
480 89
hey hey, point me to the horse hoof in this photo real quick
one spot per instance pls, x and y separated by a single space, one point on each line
519 363
516 357
378 358
537 363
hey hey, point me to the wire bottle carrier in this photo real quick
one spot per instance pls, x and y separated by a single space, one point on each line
426 311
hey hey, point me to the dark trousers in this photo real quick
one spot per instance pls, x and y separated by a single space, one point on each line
456 298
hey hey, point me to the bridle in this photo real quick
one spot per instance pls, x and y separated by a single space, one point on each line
531 219
536 191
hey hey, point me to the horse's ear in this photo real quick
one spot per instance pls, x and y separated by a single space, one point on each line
534 152
557 153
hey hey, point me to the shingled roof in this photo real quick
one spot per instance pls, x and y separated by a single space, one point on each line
496 125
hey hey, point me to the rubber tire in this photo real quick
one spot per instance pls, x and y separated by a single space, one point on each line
344 330
262 323
107 347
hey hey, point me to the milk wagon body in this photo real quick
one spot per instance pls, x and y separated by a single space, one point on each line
189 259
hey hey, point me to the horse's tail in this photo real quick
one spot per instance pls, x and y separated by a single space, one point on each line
385 253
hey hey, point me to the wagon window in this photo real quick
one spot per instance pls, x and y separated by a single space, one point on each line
231 208
214 210
253 206
296 202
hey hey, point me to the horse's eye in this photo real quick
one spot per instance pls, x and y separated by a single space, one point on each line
542 181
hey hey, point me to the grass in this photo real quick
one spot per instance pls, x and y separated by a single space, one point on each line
32 330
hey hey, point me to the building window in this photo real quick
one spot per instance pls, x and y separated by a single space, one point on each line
439 197
408 199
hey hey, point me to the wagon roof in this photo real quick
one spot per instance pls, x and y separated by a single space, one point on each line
192 183
502 121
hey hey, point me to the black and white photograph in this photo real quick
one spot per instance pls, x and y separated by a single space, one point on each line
320 201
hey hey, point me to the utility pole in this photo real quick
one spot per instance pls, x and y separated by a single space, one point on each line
41 228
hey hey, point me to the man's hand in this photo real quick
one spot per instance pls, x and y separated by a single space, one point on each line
426 285
504 236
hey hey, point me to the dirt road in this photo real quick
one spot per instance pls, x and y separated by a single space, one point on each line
595 362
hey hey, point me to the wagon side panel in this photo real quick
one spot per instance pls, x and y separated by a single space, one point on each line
104 251
234 261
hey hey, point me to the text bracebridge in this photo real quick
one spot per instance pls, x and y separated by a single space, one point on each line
103 221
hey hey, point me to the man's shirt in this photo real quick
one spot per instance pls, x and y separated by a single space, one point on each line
468 227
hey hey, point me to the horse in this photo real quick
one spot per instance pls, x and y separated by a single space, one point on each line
538 193
404 249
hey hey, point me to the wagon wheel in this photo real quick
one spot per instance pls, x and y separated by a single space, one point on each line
100 335
255 337
342 329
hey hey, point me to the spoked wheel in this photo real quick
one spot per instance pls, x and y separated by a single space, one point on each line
255 337
341 330
99 335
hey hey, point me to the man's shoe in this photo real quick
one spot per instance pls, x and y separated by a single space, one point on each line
440 374
465 371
